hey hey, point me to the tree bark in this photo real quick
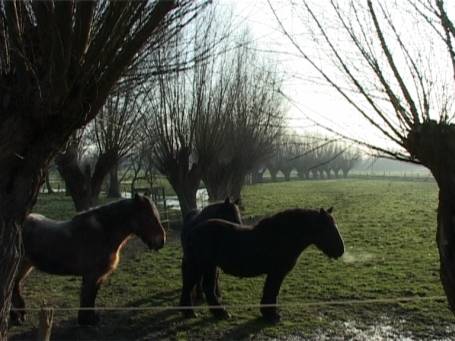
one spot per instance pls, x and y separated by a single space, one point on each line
185 184
20 181
273 174
433 144
83 186
287 174
48 184
114 183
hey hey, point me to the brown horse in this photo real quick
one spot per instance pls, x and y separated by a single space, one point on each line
88 245
271 247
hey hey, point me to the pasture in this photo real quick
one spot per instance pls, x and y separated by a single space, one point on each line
389 232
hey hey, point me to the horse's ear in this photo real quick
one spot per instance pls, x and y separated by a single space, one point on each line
227 200
322 211
330 210
137 197
237 201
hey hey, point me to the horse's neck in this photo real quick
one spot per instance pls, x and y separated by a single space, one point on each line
283 233
118 228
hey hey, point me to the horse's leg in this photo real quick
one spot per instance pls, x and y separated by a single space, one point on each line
217 284
190 276
89 289
197 294
271 290
18 317
209 285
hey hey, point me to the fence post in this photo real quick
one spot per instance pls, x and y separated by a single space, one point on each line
45 321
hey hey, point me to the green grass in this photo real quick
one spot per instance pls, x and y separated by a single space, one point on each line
389 232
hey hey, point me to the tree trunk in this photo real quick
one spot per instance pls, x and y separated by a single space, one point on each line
345 172
114 184
273 173
48 184
445 238
185 184
83 186
432 143
20 181
76 178
287 174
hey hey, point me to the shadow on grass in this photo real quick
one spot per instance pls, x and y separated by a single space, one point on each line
136 324
246 330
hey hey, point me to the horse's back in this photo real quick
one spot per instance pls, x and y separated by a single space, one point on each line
49 244
189 221
237 249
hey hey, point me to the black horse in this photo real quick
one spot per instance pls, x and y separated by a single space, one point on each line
271 247
88 245
226 210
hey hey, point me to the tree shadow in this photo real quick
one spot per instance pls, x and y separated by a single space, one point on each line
129 324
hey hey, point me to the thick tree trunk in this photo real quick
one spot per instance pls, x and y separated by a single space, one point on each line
433 144
76 178
10 253
114 184
287 174
327 173
20 181
445 238
273 173
48 184
83 186
345 172
185 184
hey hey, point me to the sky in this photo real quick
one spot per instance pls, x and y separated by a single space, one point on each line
309 98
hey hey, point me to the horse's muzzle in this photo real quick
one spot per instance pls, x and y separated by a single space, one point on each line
158 243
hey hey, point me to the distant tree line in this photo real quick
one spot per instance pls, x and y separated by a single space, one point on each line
310 156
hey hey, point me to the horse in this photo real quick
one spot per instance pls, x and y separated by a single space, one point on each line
226 210
87 245
270 247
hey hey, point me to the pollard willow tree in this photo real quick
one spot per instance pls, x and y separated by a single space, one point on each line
59 60
113 133
394 62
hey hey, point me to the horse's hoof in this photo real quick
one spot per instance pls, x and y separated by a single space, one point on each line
88 319
272 318
189 314
221 314
17 318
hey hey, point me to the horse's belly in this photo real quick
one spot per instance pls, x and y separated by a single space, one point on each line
242 268
57 268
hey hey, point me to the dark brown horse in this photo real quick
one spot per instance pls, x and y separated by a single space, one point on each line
88 245
271 247
225 210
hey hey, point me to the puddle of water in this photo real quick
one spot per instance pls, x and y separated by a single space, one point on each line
356 257
172 202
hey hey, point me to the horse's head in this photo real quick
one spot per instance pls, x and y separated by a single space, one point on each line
148 225
328 238
226 210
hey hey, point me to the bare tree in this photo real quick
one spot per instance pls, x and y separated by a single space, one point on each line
255 113
113 134
186 132
394 64
59 60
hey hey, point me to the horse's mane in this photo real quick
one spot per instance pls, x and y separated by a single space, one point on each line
107 211
286 216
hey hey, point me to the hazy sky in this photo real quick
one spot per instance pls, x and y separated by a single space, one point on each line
310 98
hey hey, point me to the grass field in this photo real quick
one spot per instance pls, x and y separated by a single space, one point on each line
389 232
